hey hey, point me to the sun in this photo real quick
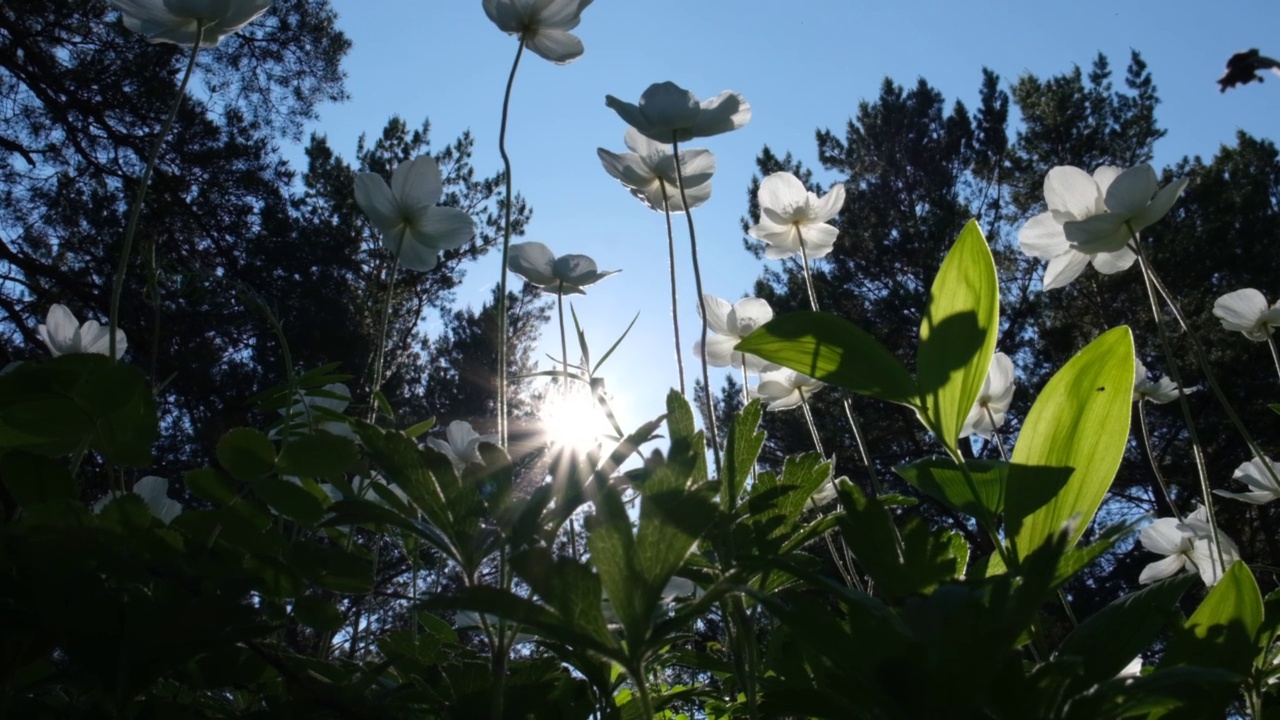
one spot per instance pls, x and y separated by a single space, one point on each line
572 420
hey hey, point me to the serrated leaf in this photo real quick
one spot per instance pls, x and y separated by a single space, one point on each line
958 334
742 446
834 351
318 455
1079 428
1110 638
944 481
246 453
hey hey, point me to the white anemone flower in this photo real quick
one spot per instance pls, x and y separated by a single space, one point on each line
1246 311
730 324
1262 484
784 388
1159 391
314 409
649 172
668 112
790 214
64 335
542 25
154 491
564 275
987 414
175 21
461 444
1092 218
1188 545
406 213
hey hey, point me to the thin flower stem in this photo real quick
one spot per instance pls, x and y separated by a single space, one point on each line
506 248
702 304
380 354
995 434
564 344
1203 360
131 228
671 265
746 398
1275 356
1197 450
850 578
848 407
1151 458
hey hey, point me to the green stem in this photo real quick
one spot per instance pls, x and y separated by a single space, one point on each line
995 434
1197 450
1275 356
702 304
564 344
131 228
671 266
1202 359
854 425
380 354
506 248
1151 457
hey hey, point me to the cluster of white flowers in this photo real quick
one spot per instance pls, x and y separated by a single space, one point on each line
1188 545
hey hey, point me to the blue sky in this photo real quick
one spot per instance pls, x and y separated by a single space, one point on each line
803 65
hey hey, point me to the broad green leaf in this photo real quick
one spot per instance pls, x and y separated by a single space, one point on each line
943 480
958 334
1071 443
35 480
834 351
246 453
1221 632
742 446
1109 639
1275 407
913 561
318 455
290 500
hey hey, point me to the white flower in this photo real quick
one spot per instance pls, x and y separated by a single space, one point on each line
315 409
668 112
782 389
543 25
649 171
174 21
987 414
826 492
1091 219
406 213
790 214
154 491
63 335
364 488
1246 311
565 275
1188 545
461 443
732 323
1262 484
1132 670
1157 391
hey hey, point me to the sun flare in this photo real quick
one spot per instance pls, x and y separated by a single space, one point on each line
572 419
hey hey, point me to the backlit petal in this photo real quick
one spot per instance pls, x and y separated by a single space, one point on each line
1042 237
557 46
722 113
375 199
445 228
717 311
1071 191
1131 191
780 192
533 261
1114 262
1064 269
1161 205
830 204
417 182
1162 569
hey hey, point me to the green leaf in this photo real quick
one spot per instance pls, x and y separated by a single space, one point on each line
742 447
332 567
943 480
35 480
913 562
290 500
1275 407
776 502
246 453
1221 632
420 428
1109 639
318 455
1075 435
685 436
834 351
958 334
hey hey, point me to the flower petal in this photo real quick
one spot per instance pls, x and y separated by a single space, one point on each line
375 199
668 107
555 45
1129 193
717 315
1071 191
1099 233
1063 269
533 261
1241 310
1161 205
830 205
1109 263
720 352
1043 237
1165 537
780 192
722 113
627 168
749 314
59 329
417 182
1162 569
445 228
